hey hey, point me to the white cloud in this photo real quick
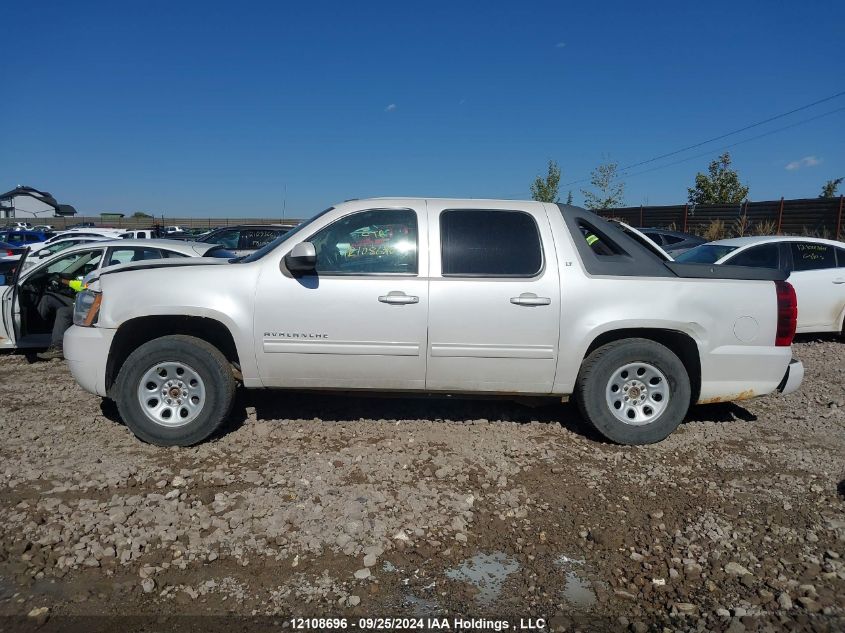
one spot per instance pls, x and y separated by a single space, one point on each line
390 108
807 161
560 45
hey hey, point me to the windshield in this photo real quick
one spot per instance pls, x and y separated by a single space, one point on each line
261 252
705 254
58 246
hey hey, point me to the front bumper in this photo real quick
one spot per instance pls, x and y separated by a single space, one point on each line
86 350
792 378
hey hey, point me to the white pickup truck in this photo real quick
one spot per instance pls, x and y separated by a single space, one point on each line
441 296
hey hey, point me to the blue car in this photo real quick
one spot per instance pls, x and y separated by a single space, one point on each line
22 238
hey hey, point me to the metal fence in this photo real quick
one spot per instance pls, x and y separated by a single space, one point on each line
821 217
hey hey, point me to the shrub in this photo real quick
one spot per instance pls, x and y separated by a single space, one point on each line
741 226
765 227
716 230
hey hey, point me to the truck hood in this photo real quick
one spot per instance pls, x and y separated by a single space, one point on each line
156 263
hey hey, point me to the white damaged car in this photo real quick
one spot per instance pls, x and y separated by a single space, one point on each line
22 327
437 296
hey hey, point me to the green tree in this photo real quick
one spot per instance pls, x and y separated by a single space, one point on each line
546 189
609 190
569 197
829 188
720 185
141 214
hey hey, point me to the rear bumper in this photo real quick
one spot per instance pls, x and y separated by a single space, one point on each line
792 378
741 372
86 350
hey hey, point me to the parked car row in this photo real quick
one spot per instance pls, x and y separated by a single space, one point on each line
240 239
26 226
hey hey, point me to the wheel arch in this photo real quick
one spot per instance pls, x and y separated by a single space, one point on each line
679 343
135 332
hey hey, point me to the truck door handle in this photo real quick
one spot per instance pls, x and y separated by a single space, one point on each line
839 281
530 299
396 297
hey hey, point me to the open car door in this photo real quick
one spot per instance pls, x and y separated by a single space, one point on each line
9 324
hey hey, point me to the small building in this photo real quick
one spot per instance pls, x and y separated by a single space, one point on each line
26 203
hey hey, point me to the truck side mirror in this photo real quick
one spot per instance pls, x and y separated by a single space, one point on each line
302 258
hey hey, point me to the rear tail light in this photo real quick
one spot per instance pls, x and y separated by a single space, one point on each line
9 253
787 313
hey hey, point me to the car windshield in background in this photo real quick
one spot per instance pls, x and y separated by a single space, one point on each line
261 252
705 254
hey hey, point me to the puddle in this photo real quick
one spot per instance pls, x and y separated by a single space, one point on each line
487 572
419 607
576 591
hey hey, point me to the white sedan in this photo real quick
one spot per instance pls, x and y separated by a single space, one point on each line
21 326
816 266
48 250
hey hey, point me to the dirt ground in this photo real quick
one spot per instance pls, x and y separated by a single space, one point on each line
338 506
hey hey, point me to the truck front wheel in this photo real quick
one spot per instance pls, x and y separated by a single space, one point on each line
633 391
174 390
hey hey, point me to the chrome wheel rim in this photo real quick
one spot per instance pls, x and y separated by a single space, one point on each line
171 394
637 393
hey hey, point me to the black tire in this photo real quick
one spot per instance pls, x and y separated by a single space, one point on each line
205 359
593 380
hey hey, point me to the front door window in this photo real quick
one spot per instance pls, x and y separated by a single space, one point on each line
377 241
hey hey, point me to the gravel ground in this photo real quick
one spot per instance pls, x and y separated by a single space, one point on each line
337 505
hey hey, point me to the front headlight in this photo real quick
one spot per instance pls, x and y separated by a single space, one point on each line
86 307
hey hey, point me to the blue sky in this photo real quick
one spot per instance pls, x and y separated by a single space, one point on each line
231 108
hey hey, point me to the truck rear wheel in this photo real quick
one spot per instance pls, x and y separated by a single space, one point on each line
633 391
174 390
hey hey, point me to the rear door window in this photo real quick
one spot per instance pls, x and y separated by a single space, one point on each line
840 257
489 243
762 256
812 256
